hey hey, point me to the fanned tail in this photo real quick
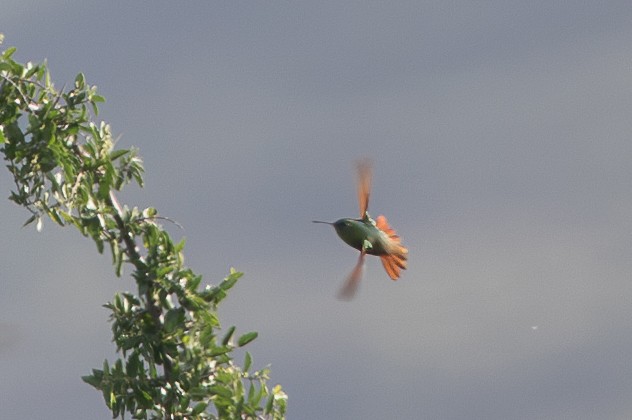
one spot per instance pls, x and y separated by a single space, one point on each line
397 254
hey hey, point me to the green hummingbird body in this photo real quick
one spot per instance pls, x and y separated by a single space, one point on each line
374 237
362 234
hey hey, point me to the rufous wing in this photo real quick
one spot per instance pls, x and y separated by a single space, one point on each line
351 284
364 185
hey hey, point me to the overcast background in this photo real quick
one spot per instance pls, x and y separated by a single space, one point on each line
500 133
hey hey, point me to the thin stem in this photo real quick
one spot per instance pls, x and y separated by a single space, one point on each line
131 250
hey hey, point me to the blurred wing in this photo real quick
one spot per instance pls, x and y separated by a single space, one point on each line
351 284
364 185
395 260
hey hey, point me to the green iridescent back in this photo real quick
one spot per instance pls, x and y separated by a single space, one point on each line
359 233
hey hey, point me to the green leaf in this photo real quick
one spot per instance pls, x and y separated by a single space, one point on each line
99 244
230 281
200 407
143 397
92 380
174 318
14 133
228 336
9 52
206 335
247 361
117 154
247 338
53 214
251 393
134 366
270 403
119 265
31 72
192 282
80 81
220 350
30 220
221 391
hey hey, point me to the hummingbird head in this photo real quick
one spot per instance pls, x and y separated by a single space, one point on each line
349 230
340 225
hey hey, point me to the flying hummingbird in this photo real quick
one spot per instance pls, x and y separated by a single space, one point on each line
374 237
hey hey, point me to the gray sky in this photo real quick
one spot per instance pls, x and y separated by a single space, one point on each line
500 132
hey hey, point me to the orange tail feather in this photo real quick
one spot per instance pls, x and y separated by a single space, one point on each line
397 253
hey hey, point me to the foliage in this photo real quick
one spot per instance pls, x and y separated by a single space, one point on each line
174 361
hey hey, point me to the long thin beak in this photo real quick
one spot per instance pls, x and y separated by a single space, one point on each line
326 223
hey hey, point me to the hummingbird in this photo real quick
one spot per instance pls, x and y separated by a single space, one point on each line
373 237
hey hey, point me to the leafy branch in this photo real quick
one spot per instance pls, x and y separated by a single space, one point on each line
65 167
